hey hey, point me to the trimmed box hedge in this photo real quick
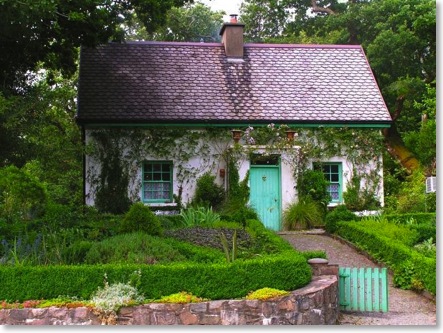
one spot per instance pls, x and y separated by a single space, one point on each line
391 252
287 270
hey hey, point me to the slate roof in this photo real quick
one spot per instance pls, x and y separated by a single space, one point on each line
195 83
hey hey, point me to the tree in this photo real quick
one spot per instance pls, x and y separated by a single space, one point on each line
191 23
50 31
47 141
278 20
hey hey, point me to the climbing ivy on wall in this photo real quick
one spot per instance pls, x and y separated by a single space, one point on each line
117 154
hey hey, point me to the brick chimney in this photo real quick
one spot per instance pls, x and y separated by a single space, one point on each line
232 37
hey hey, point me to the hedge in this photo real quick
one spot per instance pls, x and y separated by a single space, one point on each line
420 218
391 252
424 224
288 270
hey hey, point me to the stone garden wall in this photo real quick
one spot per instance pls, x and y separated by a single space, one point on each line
314 304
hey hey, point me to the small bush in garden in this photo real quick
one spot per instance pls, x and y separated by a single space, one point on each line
112 297
338 214
303 214
313 184
266 293
235 210
208 193
141 218
182 297
427 248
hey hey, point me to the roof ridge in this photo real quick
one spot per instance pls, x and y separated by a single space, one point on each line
248 45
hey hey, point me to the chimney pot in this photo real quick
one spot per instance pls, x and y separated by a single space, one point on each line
233 18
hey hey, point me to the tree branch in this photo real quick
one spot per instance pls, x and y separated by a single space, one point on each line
317 9
399 107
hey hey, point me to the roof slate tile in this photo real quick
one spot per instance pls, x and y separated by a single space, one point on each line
176 82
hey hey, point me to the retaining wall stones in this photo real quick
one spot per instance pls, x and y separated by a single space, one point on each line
314 304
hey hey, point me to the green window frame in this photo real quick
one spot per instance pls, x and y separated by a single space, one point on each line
333 174
157 184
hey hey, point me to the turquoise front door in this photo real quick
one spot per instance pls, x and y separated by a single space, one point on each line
264 184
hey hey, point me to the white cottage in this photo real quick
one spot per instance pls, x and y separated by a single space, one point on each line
157 115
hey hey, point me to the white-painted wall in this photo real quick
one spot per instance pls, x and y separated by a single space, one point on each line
214 164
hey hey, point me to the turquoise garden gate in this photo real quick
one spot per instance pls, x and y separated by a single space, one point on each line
363 289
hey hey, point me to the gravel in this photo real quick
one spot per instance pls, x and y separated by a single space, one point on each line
406 307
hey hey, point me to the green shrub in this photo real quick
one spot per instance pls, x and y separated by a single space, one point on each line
339 213
171 221
312 183
137 247
141 218
404 275
427 248
60 216
142 248
76 253
22 196
303 214
431 202
412 218
425 232
358 198
235 210
397 232
412 196
208 193
265 241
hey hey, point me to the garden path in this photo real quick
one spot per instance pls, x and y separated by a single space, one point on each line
406 307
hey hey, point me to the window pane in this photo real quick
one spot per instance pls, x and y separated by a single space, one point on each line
334 178
334 191
157 181
334 168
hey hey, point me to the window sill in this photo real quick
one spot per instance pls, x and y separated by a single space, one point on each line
161 204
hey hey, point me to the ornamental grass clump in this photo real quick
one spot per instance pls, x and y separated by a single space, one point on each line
199 216
303 214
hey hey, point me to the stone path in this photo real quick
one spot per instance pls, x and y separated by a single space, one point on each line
405 306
